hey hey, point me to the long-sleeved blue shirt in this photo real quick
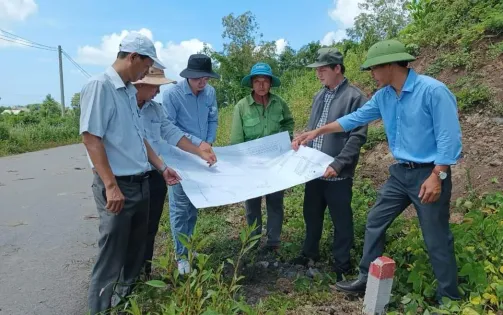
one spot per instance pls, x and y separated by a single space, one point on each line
196 116
158 129
421 123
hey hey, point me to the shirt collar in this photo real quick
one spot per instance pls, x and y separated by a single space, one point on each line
408 86
188 90
117 81
337 87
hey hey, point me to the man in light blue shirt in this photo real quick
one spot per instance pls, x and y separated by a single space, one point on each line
424 135
120 157
191 105
159 132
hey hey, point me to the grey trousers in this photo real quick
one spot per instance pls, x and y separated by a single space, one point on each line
121 243
402 189
274 205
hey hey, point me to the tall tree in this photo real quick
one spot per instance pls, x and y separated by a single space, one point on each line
242 48
50 107
380 19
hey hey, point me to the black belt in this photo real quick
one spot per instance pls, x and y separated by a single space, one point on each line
133 178
411 165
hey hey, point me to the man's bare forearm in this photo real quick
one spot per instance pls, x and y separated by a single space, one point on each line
152 157
332 127
186 145
98 156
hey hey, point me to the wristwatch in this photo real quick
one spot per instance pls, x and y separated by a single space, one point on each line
441 174
163 168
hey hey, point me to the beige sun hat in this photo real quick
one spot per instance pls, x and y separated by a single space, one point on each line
155 76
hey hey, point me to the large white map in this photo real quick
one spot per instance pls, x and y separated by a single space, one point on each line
246 170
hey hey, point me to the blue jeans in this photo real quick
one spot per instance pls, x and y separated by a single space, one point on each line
182 216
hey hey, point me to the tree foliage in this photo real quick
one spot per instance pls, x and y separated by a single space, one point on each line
242 48
380 19
50 107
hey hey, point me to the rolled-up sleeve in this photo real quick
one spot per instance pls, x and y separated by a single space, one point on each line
169 131
444 112
96 108
364 115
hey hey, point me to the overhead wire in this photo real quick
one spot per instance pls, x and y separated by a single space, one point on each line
13 38
84 72
8 36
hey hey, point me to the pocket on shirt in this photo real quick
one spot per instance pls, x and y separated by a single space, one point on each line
155 130
251 126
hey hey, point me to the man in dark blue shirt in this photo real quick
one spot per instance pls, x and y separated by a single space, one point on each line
421 122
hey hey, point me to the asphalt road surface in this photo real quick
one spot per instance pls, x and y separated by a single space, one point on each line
48 232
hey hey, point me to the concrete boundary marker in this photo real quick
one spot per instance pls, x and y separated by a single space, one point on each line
379 283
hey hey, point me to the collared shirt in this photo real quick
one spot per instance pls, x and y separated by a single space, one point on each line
196 116
421 123
318 141
109 111
158 129
252 121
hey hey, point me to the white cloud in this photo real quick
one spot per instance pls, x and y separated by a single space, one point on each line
281 45
173 55
332 37
16 10
345 12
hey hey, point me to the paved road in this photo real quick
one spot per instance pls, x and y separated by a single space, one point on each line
48 232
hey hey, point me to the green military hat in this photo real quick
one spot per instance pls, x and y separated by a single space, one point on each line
327 56
386 51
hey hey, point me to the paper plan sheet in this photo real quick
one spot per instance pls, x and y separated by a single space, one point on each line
246 170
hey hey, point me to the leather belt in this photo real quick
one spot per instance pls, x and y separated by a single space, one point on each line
133 178
138 178
411 165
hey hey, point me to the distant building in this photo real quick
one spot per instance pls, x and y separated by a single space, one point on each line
14 111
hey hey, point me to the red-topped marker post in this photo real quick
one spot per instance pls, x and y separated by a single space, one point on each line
379 283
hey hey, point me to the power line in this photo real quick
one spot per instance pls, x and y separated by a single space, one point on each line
24 43
84 72
19 38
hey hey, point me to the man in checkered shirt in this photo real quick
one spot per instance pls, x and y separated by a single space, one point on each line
334 189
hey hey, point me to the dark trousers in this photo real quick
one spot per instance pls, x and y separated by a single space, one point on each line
402 189
158 191
275 212
337 196
121 243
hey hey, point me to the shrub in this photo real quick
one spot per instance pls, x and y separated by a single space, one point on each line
471 97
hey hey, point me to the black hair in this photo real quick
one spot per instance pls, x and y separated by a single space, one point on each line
123 55
343 69
403 64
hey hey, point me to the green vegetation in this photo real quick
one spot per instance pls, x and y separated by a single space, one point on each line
455 36
40 126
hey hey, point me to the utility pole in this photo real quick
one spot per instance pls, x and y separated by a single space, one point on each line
62 88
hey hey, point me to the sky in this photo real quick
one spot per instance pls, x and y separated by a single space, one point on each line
90 33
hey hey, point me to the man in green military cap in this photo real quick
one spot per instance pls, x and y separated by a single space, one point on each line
421 122
335 99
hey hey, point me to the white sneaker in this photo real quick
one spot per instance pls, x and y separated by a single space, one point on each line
183 267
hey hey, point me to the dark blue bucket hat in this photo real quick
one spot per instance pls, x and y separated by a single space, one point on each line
261 68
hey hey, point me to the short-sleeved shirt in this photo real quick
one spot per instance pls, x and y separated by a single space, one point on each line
158 129
252 120
109 110
195 115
